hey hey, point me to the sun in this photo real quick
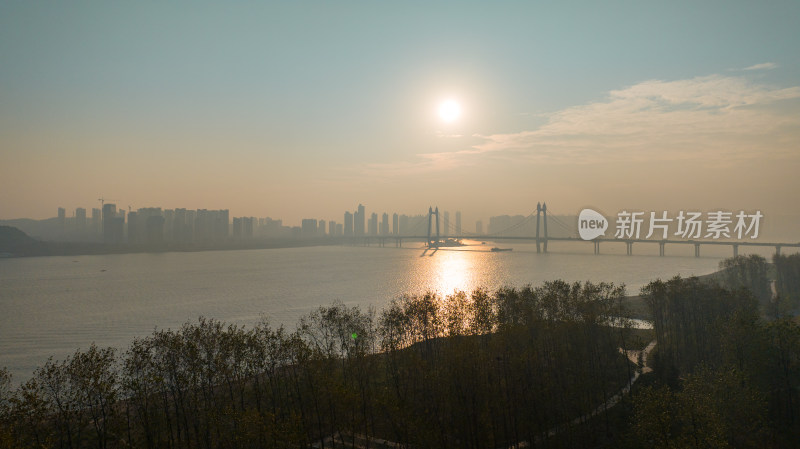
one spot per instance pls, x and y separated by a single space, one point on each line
449 110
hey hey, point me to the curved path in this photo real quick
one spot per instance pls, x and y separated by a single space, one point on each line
633 356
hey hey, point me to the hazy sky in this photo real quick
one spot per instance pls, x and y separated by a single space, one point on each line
306 109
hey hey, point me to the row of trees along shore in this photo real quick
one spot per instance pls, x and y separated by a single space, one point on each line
468 370
726 367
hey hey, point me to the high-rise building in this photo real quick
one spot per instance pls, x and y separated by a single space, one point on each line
222 223
191 216
109 213
321 228
237 228
373 224
202 228
97 221
385 224
414 225
181 229
248 225
479 227
80 219
141 229
212 225
348 224
154 228
118 229
133 228
395 224
308 228
332 228
272 228
403 223
359 220
169 224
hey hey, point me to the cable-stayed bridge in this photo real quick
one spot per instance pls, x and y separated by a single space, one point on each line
436 237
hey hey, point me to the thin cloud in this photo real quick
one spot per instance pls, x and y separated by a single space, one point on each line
705 117
763 66
715 119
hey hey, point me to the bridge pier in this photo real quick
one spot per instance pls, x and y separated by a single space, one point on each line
629 248
661 246
777 250
696 250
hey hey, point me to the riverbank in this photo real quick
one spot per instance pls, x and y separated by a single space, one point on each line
14 243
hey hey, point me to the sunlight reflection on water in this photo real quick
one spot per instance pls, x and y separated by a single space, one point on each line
54 305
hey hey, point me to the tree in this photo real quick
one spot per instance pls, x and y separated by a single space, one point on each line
747 272
787 281
94 385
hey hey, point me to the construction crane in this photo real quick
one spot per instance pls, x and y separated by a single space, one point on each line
103 201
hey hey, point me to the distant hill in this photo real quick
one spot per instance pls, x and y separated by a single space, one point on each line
12 240
48 229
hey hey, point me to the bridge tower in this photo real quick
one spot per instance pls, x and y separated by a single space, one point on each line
544 212
538 217
541 209
433 242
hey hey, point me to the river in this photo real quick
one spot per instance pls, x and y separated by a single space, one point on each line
55 305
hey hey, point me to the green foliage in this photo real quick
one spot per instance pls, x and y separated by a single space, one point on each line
732 379
6 432
484 369
712 409
468 370
688 315
747 272
787 284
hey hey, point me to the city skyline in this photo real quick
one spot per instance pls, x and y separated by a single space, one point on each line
156 225
301 109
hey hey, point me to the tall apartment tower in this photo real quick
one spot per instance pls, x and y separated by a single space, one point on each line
359 221
373 224
113 225
385 224
109 213
97 221
348 224
80 219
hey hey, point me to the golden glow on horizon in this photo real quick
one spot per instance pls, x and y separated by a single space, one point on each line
449 110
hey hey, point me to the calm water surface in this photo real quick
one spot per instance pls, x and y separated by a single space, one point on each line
55 305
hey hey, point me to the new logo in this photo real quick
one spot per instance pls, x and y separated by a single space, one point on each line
591 224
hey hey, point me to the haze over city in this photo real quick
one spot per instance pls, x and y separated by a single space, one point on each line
307 109
364 224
